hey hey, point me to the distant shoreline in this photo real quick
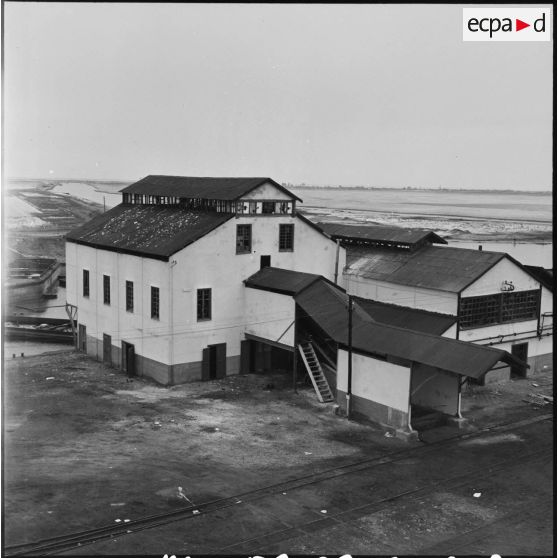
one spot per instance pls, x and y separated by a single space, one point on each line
417 189
311 187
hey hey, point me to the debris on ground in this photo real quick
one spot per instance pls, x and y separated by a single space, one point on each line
388 435
324 511
539 399
477 494
50 378
183 496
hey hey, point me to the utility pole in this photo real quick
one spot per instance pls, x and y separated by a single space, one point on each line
350 357
104 205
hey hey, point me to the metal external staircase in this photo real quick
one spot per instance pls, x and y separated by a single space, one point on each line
315 372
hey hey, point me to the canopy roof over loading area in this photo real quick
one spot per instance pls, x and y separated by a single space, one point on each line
328 305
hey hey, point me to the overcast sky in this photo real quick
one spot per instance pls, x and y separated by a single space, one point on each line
379 95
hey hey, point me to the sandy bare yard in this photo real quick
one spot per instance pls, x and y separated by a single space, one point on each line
87 447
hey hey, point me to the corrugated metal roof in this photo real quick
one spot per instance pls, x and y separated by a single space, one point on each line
155 231
376 233
407 318
431 267
282 281
328 307
200 187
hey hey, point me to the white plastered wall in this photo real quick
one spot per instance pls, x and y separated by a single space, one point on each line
402 295
270 316
505 335
376 380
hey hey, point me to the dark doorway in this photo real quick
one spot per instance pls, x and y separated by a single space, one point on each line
128 359
265 261
107 348
214 361
519 351
260 358
82 338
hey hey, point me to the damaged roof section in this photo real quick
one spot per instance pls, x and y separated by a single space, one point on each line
378 235
228 189
155 231
328 307
432 267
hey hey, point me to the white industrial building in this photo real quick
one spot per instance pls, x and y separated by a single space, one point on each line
197 278
494 299
157 280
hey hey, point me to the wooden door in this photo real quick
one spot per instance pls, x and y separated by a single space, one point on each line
221 360
519 351
107 349
128 358
205 364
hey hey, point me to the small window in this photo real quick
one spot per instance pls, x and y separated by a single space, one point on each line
129 296
86 283
106 289
243 239
204 304
286 238
268 207
155 303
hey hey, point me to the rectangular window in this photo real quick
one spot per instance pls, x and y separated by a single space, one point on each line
479 311
243 239
129 296
86 283
268 207
519 306
155 303
286 238
204 304
106 289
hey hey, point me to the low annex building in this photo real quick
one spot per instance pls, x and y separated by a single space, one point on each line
157 280
394 372
494 300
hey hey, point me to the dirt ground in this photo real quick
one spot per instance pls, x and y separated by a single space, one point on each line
83 447
81 442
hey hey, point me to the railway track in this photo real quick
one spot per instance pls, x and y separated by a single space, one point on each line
78 539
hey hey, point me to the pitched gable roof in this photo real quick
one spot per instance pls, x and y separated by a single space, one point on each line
154 231
431 267
378 234
228 189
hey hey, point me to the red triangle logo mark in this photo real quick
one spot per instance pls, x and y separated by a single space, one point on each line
519 25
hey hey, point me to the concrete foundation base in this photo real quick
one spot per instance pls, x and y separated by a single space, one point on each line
457 421
164 374
406 435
